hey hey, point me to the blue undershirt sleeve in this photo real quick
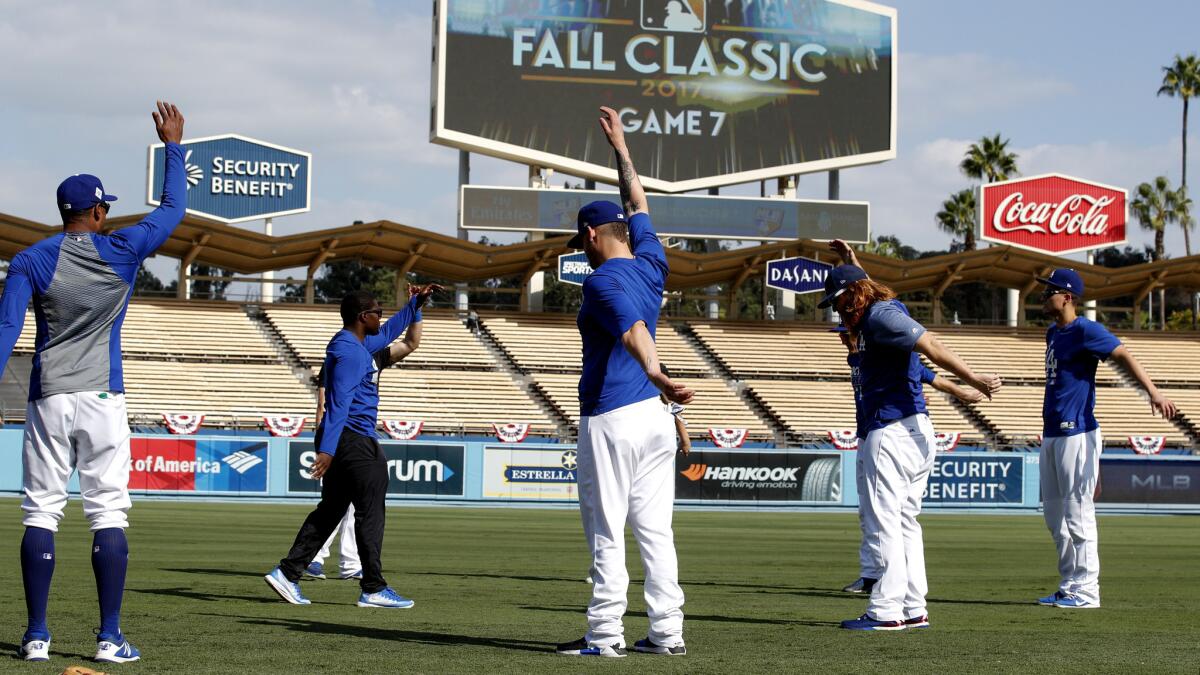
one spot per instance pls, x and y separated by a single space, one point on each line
927 375
610 305
143 239
17 291
341 377
645 244
393 328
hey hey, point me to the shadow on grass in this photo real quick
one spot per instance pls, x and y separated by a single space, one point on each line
224 572
477 575
392 634
11 649
189 594
715 618
827 593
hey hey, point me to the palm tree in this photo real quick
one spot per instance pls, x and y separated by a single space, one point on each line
957 217
989 160
1182 79
1156 206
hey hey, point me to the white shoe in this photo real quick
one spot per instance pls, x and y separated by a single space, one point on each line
35 650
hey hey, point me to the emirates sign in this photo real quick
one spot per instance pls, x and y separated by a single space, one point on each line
1053 213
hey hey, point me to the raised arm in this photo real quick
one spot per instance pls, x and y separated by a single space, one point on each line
941 355
412 340
633 197
1158 403
402 319
845 252
144 238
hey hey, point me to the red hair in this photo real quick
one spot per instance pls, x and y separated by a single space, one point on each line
862 294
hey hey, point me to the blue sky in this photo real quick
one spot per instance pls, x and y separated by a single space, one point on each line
1071 84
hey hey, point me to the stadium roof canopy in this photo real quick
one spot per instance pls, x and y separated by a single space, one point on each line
445 257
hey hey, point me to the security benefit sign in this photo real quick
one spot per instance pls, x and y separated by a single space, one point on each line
530 473
414 469
199 465
976 479
798 275
1149 481
706 475
710 92
232 178
573 268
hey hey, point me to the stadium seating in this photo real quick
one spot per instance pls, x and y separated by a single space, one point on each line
214 331
236 394
458 401
1016 411
773 348
1171 359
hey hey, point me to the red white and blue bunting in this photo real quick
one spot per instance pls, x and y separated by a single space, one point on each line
1147 445
844 439
728 438
403 430
286 426
946 442
511 433
183 424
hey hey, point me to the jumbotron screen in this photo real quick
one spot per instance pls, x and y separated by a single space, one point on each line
709 93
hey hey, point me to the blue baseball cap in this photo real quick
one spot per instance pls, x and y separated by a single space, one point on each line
595 214
837 280
81 191
1065 279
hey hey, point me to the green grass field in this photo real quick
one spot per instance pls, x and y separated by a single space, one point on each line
496 588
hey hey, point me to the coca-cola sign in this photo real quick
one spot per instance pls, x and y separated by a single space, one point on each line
1053 213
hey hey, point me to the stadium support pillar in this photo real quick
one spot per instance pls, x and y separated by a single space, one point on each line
402 272
786 187
268 276
464 178
1029 288
748 268
1014 305
835 185
1144 291
532 285
1090 312
787 306
589 184
314 265
952 275
183 289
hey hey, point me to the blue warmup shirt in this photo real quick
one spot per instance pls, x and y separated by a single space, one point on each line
927 377
80 284
889 369
352 380
1072 354
617 295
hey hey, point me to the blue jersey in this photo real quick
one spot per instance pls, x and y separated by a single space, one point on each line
80 283
351 379
853 360
1072 354
621 292
889 369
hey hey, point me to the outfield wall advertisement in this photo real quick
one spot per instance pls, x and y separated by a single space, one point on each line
978 479
414 469
748 476
198 465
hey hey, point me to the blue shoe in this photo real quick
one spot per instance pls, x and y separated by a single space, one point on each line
385 598
288 590
1052 599
581 647
865 622
314 571
357 576
110 649
1076 602
34 648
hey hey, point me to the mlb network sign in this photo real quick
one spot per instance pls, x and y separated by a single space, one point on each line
798 275
573 268
232 178
1053 214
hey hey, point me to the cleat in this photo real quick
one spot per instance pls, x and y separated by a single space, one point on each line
314 571
581 647
589 580
357 575
34 649
116 650
287 589
865 622
646 646
1049 600
1075 602
861 585
917 622
385 598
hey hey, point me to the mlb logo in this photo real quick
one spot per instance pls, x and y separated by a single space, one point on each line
676 16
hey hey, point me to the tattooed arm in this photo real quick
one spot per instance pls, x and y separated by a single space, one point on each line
633 197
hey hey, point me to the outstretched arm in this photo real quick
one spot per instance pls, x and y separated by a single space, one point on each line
963 394
633 197
1158 403
941 355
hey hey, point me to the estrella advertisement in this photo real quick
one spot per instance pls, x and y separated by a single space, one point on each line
529 473
170 464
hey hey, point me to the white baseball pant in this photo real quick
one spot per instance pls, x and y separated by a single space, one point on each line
896 465
87 431
347 549
1070 467
627 474
866 559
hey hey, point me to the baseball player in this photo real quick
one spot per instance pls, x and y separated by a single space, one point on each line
351 567
897 450
348 454
626 436
1071 440
80 282
869 574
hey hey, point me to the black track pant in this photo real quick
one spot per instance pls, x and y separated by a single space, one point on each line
358 475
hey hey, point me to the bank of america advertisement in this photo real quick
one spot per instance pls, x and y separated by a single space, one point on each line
710 92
